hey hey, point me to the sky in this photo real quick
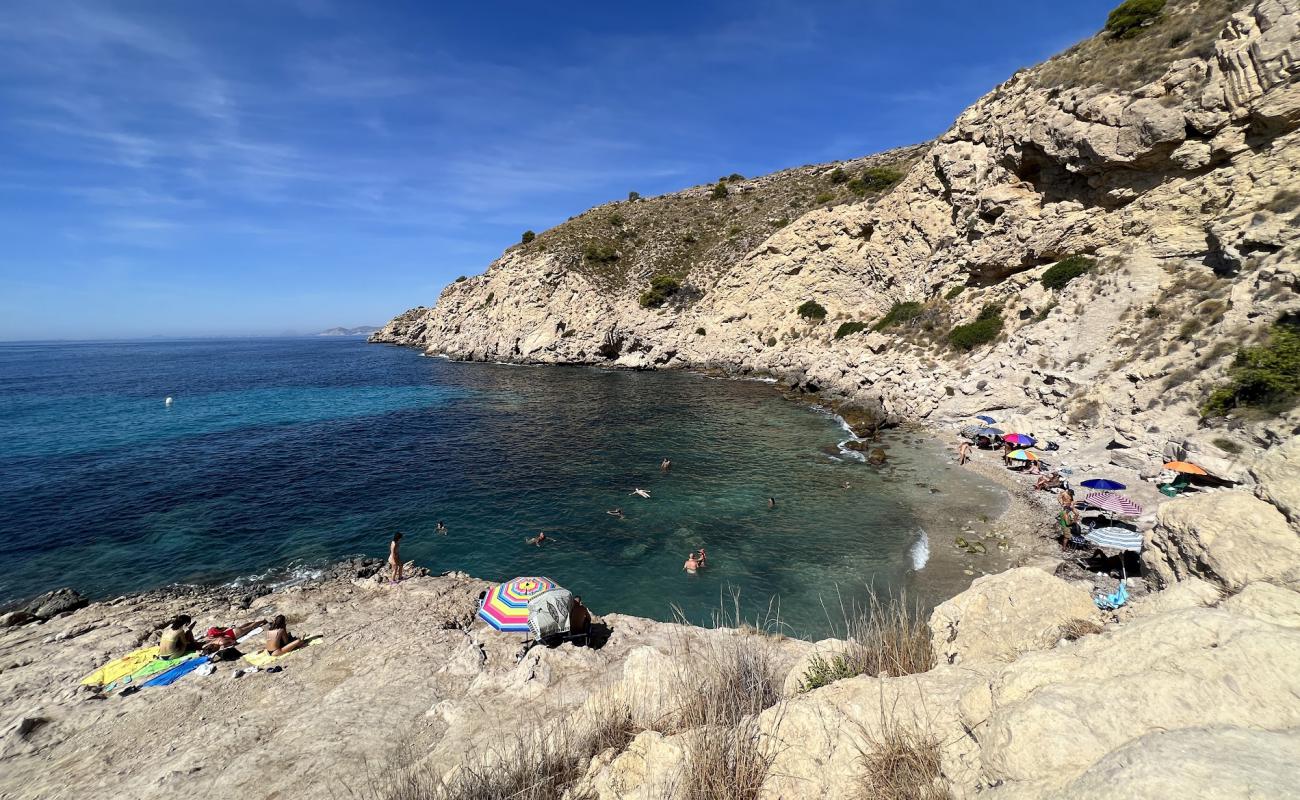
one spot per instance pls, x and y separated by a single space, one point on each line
256 167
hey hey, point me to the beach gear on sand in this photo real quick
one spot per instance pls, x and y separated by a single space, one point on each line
1103 485
1111 602
505 606
1019 439
1185 467
548 613
119 668
174 674
152 668
1114 503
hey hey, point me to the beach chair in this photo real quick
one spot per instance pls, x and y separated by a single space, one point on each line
1172 489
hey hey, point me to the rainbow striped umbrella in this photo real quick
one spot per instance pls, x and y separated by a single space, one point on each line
1022 455
1115 503
505 606
1019 439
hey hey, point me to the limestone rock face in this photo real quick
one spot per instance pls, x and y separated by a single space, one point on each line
1277 477
1227 538
1003 615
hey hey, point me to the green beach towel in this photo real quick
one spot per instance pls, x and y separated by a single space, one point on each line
119 668
152 668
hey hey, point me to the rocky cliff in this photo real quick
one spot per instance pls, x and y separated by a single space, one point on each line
1168 161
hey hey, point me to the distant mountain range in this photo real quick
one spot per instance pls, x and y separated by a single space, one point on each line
360 330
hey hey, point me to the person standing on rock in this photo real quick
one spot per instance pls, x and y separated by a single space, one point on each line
395 557
963 453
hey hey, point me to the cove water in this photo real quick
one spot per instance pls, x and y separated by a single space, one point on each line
280 455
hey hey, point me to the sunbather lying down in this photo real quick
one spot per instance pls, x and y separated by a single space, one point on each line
1051 480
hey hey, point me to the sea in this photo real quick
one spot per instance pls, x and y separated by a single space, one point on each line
278 456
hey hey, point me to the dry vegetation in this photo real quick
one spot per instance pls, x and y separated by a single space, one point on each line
887 638
900 763
1184 29
698 232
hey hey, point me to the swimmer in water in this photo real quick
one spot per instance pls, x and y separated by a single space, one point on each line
537 540
691 564
771 502
615 512
641 493
441 528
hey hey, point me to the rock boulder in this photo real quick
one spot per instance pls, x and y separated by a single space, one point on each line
1227 538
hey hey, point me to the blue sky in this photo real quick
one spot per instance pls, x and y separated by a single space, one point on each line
255 167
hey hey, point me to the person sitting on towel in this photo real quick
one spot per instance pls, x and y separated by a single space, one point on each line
177 637
278 639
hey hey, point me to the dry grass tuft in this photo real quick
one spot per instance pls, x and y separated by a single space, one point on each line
903 765
1078 628
887 638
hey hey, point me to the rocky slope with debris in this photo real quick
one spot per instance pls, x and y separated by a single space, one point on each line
1170 160
1189 691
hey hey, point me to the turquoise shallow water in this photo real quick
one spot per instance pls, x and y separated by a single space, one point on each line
300 451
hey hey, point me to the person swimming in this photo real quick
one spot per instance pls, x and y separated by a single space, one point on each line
639 492
665 465
691 563
615 512
702 557
537 540
442 529
771 502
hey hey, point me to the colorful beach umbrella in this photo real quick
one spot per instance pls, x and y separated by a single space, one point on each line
1022 455
1103 484
985 418
1185 467
1115 503
1020 439
1115 537
505 606
988 432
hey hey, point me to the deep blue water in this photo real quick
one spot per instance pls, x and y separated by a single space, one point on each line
295 452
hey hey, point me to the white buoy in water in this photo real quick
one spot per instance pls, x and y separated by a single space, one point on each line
168 401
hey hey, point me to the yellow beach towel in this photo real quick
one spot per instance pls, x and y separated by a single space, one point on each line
264 659
120 667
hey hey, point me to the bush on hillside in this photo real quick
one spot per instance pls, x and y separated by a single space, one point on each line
878 179
1265 377
983 330
661 288
735 176
1131 16
632 197
811 309
1066 270
719 191
848 328
599 253
527 237
954 291
838 175
824 197
616 220
461 279
900 313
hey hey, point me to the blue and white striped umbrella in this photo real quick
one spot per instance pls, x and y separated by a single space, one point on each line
1115 537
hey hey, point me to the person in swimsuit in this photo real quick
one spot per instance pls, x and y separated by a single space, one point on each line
665 465
771 502
615 512
702 558
691 564
537 540
963 453
442 529
177 637
395 557
221 638
278 639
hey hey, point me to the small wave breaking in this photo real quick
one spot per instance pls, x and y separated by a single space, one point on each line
919 552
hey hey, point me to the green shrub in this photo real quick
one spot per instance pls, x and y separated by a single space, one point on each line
839 176
461 279
1189 329
735 176
527 237
771 341
1266 377
661 288
824 197
983 330
700 331
779 223
847 328
719 191
811 309
823 672
1129 17
878 179
900 313
616 220
1066 270
599 253
857 187
1227 446
954 291
632 197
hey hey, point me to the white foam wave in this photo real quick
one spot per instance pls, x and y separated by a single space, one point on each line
920 551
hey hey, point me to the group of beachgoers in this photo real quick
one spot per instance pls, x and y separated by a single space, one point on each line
220 644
